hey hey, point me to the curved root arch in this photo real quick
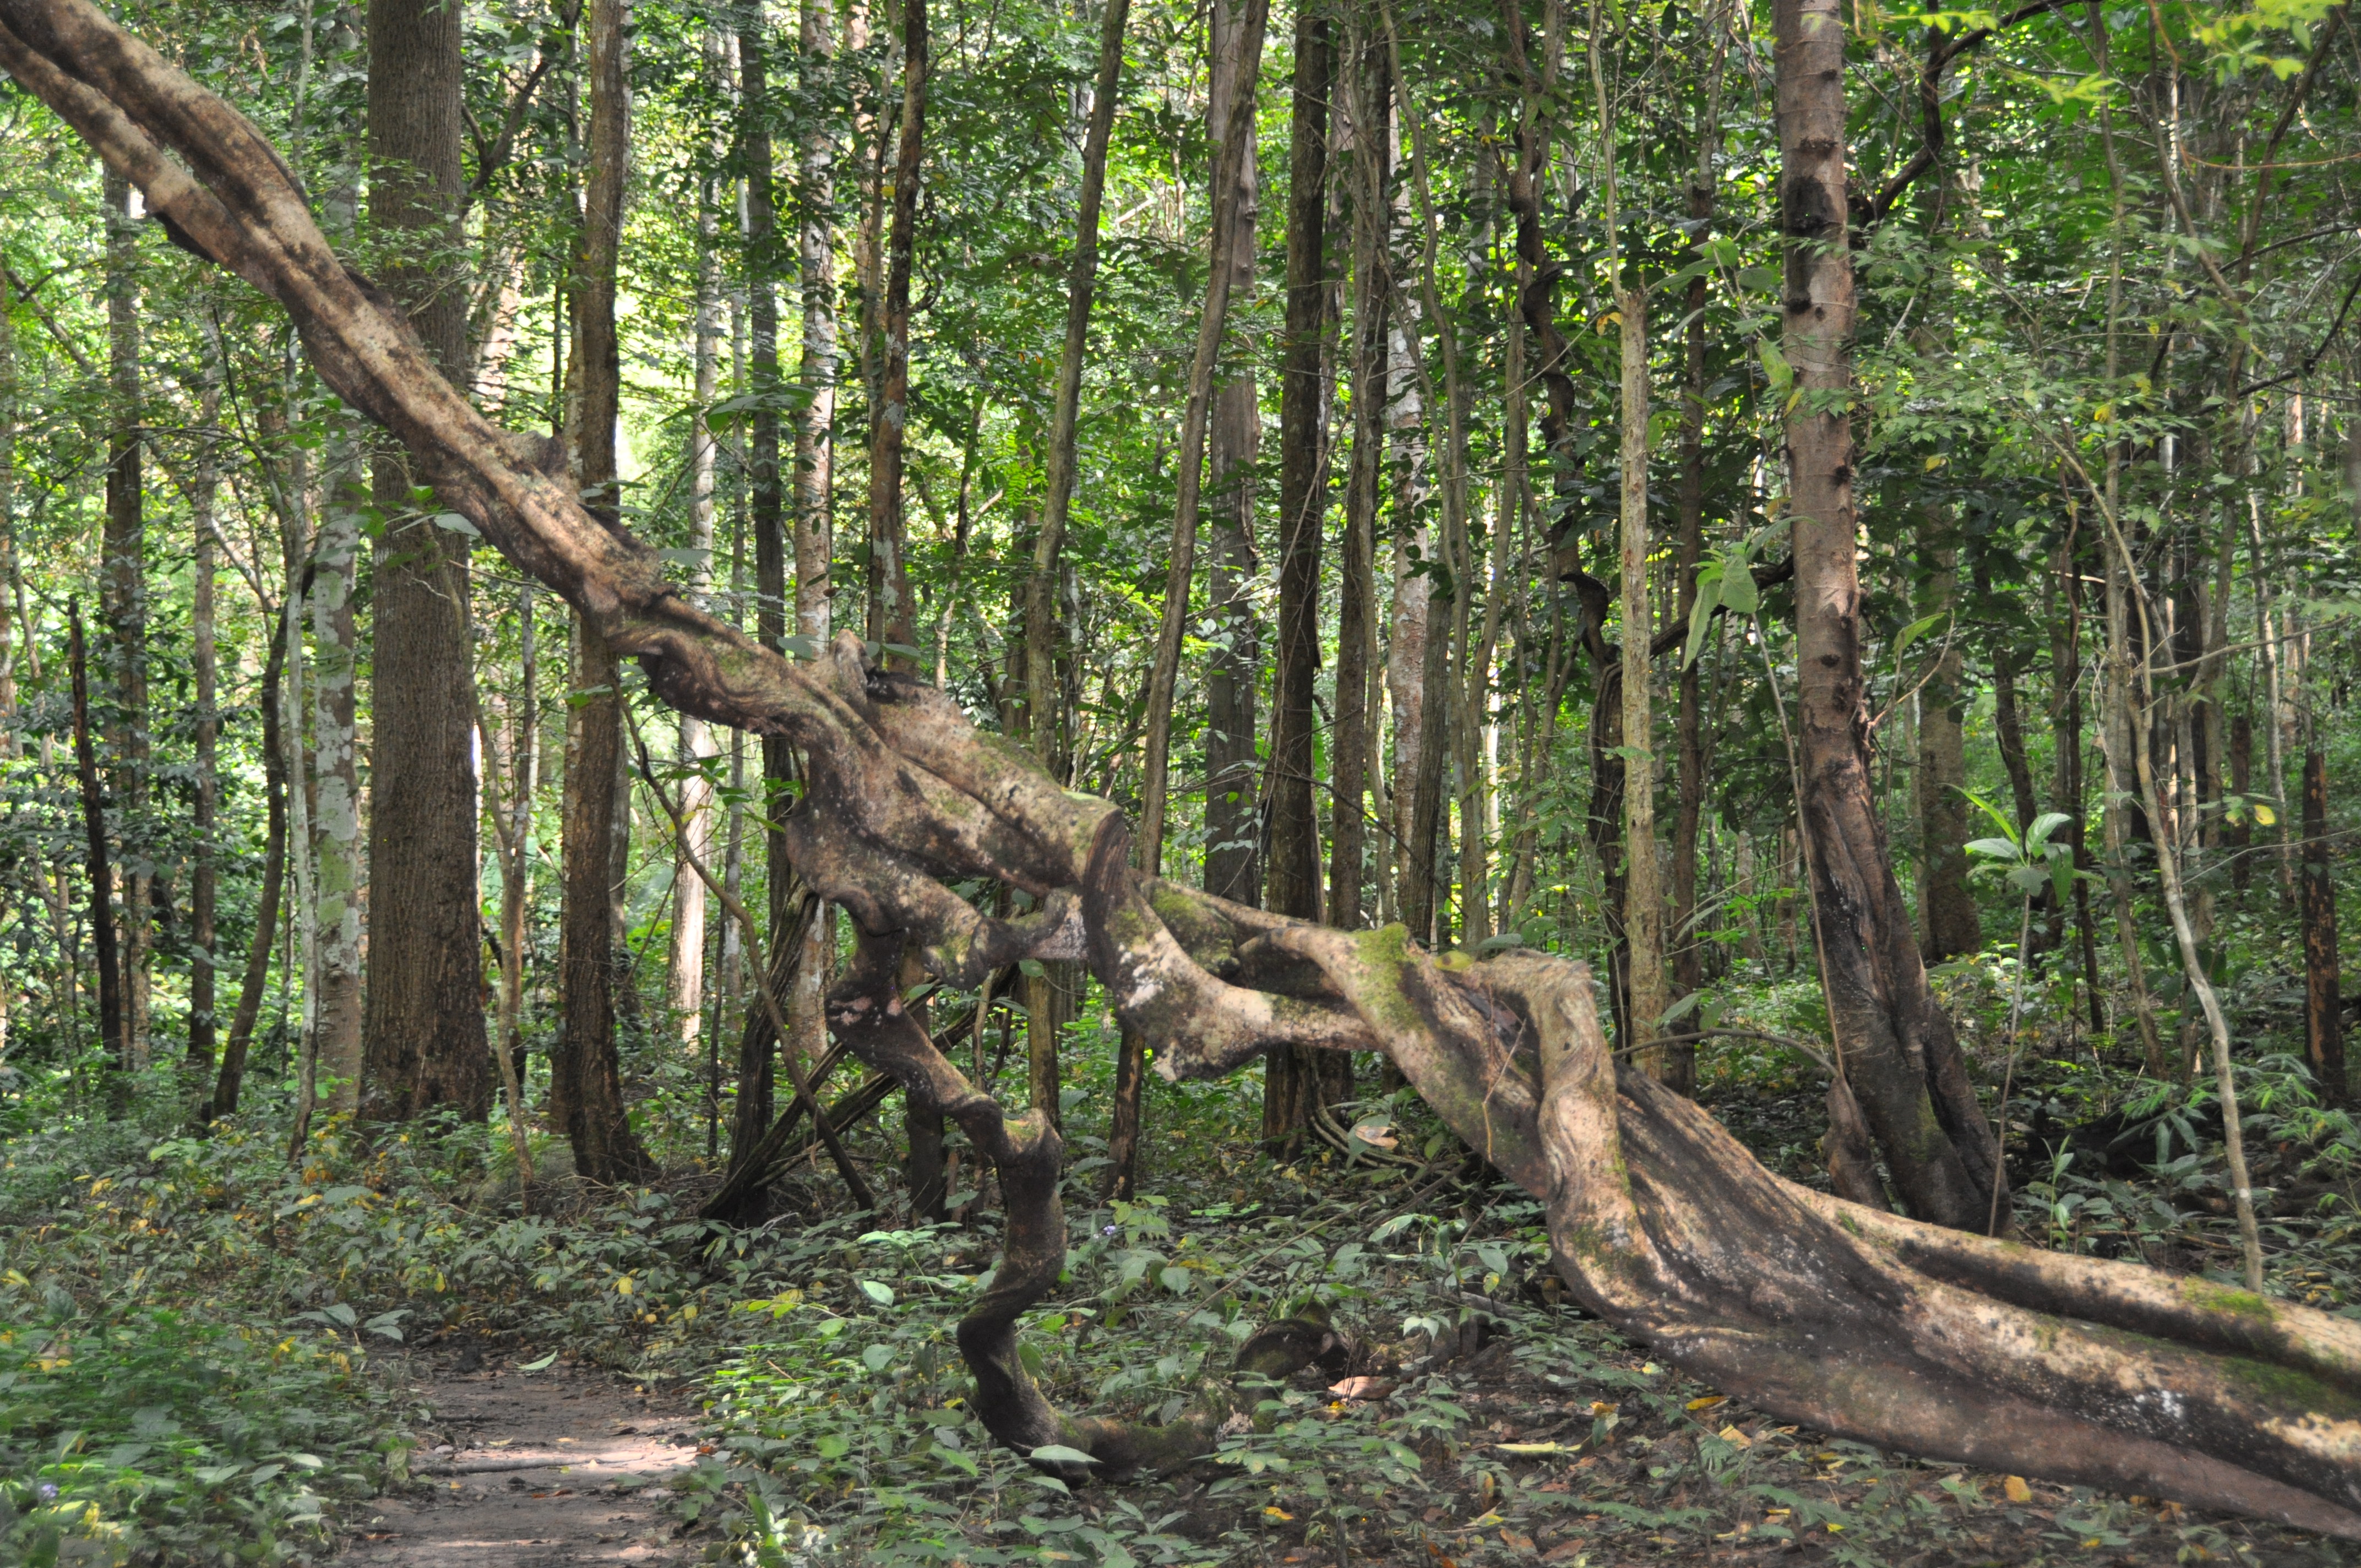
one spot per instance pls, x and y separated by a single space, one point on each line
1855 1321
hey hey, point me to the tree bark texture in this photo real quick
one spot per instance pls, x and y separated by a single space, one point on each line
1232 201
587 1105
1234 825
1861 1322
2323 1022
203 879
890 614
230 1080
1293 1086
339 876
122 605
423 1033
1369 102
99 873
1949 923
1896 1047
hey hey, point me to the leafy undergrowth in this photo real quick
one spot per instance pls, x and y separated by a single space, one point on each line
1478 1420
186 1328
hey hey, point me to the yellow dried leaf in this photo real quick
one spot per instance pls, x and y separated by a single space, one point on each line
1735 1438
2018 1492
1708 1402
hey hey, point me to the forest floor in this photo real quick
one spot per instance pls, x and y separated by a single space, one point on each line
210 1356
528 1470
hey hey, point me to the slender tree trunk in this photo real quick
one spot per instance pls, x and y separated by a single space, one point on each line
203 880
591 966
1643 907
1949 923
231 1081
1232 201
1688 952
518 856
1897 1051
101 875
2066 745
123 579
686 970
1044 720
1370 103
2323 1023
890 614
1292 1083
815 520
1233 774
337 872
423 1030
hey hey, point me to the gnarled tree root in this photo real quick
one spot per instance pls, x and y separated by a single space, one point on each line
865 1011
1852 1319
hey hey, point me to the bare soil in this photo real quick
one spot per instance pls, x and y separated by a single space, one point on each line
530 1470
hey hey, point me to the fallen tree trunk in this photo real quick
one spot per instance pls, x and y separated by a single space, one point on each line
1862 1323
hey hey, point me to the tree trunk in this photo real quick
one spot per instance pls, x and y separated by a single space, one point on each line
2323 1023
1688 950
1858 1323
1233 199
1369 105
1949 923
591 1109
1897 1050
123 593
231 1081
891 616
685 971
423 1031
1233 774
339 875
1292 1086
2066 746
101 879
206 659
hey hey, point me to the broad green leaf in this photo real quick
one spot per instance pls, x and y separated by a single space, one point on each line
881 1294
1912 632
1998 848
1058 1453
544 1365
877 1357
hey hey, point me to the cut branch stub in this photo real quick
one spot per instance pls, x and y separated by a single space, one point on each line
1857 1320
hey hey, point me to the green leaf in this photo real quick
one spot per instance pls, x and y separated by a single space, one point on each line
1738 595
881 1294
1774 366
544 1365
453 522
1912 632
877 1357
1058 1453
1708 595
2038 836
1998 848
1176 1279
832 1446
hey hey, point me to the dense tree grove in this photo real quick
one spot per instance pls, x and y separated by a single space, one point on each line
1843 520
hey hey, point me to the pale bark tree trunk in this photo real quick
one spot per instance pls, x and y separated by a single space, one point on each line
591 963
685 969
339 874
423 1030
1953 1346
1294 1087
1899 1056
123 589
815 516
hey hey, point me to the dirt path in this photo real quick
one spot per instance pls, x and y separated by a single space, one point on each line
530 1470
